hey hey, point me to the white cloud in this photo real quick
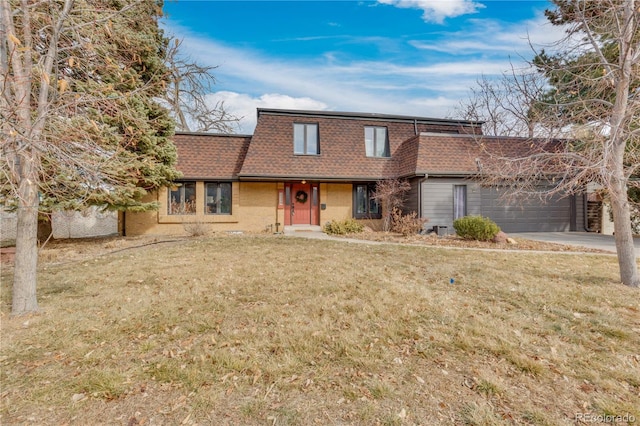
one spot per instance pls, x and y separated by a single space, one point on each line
262 74
489 37
440 106
254 80
244 106
428 85
437 10
460 47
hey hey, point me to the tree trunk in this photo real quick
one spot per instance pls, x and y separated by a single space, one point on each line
618 188
26 260
624 240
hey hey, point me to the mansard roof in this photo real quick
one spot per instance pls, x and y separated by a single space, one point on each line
418 146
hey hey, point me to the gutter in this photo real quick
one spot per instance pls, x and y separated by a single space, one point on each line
280 178
366 116
448 174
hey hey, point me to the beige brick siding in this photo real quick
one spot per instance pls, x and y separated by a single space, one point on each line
253 209
339 201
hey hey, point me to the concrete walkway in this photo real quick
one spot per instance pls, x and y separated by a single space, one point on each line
580 239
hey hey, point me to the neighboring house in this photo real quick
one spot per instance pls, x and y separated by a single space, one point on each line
305 168
91 222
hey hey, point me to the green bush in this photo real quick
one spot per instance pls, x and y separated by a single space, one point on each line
476 228
348 226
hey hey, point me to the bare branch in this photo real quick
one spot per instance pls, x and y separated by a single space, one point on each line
186 95
590 98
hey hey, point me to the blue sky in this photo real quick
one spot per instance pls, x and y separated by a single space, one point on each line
408 57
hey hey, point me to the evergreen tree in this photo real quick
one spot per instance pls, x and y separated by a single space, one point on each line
79 123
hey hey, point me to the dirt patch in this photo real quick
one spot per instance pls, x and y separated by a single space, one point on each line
7 255
71 250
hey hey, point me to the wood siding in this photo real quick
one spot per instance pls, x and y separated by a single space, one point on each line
437 200
411 203
532 215
516 216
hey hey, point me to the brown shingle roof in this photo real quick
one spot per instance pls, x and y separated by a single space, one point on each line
463 154
210 156
342 149
268 154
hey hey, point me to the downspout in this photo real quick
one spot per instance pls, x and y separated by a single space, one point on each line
277 207
124 223
420 182
415 127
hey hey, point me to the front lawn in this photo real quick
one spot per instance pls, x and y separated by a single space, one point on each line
255 330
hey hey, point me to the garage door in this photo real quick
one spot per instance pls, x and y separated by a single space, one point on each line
529 215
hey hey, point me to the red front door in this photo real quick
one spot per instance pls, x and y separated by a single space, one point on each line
300 204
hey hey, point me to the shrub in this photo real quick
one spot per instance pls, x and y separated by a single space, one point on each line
391 194
407 224
476 228
195 229
348 226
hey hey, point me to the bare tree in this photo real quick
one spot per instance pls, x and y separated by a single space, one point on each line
507 105
77 119
593 94
391 194
187 95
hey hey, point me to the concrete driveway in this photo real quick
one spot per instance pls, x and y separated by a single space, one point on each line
584 239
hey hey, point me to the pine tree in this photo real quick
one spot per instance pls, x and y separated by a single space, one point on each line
79 122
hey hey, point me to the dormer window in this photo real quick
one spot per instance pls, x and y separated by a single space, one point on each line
305 139
376 142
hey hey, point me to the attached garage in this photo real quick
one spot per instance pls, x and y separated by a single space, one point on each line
440 202
528 215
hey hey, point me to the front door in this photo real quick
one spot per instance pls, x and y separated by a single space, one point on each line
301 204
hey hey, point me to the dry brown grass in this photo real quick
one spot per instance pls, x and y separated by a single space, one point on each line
275 330
455 241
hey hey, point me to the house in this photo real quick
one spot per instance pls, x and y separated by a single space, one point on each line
91 222
305 168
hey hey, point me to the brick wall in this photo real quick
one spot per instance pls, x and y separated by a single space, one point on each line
339 200
254 208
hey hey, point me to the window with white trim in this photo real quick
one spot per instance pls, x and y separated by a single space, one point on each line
305 139
376 143
459 201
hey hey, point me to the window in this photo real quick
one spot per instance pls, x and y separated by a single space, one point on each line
182 199
305 139
459 201
376 143
363 205
218 198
